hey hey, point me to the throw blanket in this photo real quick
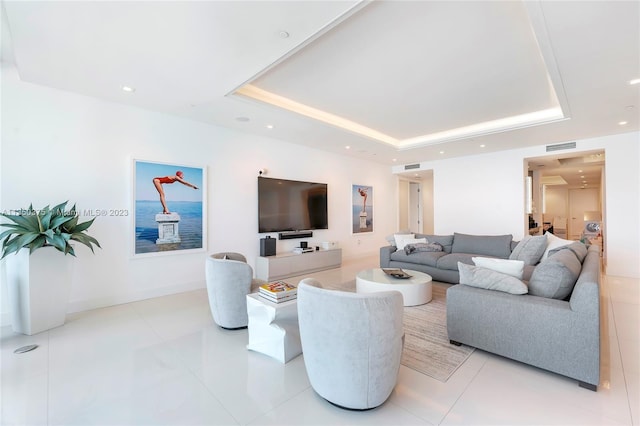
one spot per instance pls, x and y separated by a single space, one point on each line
421 247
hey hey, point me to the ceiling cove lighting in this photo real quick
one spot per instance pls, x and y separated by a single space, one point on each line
256 93
478 129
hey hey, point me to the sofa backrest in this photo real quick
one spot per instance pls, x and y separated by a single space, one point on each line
586 293
484 245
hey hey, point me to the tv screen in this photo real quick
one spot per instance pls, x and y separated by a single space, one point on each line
290 205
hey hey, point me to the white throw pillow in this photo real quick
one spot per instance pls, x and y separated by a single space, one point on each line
476 276
401 238
554 242
515 268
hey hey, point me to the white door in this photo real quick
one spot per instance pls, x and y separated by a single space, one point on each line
415 207
581 200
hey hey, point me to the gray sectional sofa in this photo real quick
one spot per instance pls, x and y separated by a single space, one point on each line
559 335
548 317
443 265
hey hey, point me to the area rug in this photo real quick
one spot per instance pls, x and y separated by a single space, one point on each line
426 344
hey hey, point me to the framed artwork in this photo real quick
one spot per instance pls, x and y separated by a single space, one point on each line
361 209
169 205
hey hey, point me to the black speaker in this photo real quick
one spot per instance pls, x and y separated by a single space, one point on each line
267 246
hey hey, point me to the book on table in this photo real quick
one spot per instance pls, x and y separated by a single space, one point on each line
280 300
278 291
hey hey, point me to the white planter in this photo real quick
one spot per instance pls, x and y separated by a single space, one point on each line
39 285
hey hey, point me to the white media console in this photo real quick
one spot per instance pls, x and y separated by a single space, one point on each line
285 265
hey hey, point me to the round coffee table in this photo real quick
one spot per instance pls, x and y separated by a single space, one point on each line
415 290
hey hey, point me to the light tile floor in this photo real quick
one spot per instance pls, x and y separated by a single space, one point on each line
163 361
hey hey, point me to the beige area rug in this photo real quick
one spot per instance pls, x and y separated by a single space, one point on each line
426 344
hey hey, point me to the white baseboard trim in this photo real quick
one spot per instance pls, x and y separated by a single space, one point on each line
105 302
89 304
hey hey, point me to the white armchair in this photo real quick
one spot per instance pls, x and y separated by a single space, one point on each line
229 280
352 344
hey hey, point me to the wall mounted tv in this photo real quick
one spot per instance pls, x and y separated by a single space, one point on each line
291 205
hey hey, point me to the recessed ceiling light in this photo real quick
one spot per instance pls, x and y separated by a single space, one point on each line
622 123
394 159
242 119
347 147
283 34
441 152
634 81
579 171
128 89
630 107
482 146
581 177
269 126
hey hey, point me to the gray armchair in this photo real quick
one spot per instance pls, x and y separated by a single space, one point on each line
352 344
229 280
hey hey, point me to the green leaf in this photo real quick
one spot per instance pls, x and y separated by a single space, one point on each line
58 242
37 243
86 240
28 222
60 209
83 226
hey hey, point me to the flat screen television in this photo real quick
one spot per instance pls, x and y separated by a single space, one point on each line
291 205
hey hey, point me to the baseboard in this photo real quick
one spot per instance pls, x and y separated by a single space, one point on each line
105 302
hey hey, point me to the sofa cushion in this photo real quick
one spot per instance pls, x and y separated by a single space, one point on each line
577 248
444 240
476 276
484 245
510 267
530 249
554 242
555 276
422 258
450 261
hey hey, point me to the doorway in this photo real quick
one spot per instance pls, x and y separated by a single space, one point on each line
581 201
415 202
415 207
570 189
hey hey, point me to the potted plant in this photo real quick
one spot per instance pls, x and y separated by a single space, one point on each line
39 271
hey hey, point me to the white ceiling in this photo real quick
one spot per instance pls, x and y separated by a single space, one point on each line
406 79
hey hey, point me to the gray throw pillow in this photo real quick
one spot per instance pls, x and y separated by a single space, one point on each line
555 276
476 276
484 245
530 249
577 248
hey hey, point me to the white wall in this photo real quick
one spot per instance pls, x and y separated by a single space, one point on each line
484 194
59 146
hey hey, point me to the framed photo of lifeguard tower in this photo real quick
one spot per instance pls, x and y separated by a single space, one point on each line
361 209
169 208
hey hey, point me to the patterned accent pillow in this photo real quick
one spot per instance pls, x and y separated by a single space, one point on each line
422 247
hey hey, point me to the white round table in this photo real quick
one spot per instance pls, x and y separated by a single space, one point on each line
415 290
